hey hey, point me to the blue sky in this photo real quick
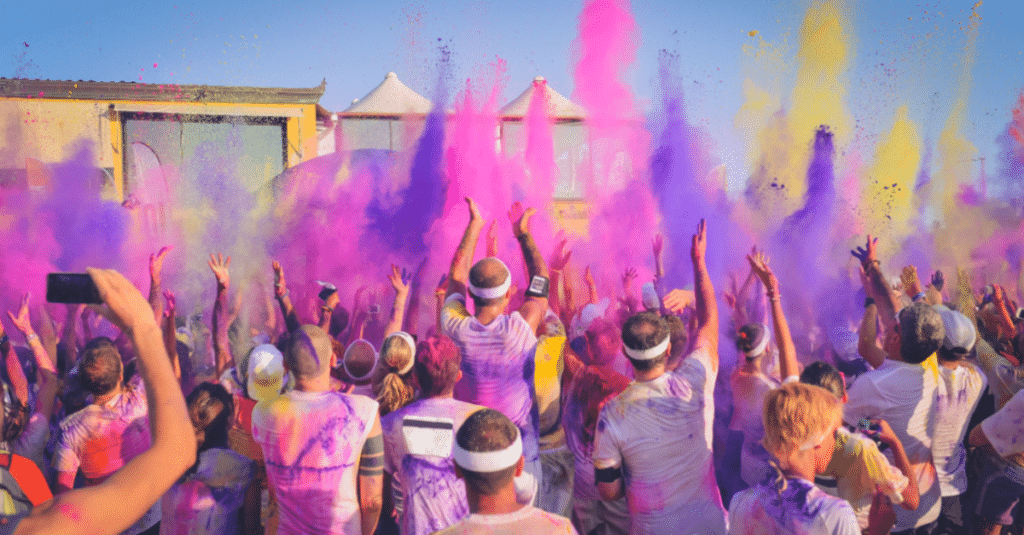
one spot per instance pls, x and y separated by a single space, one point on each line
906 53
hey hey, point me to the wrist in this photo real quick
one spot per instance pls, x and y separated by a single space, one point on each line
31 336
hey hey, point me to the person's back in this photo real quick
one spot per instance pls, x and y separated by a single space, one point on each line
312 440
418 440
905 393
488 454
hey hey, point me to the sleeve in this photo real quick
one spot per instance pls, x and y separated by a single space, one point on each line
453 314
882 474
606 450
1004 430
845 520
65 455
863 401
31 480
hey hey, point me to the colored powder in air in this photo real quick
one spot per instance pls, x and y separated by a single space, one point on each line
888 194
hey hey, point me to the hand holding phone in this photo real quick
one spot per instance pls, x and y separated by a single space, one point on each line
72 288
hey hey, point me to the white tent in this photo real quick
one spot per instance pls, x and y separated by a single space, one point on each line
375 121
568 134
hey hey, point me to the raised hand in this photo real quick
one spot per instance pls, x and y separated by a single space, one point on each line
657 244
474 210
678 300
123 304
280 285
219 265
156 262
492 238
866 254
699 243
759 266
628 277
22 320
938 281
521 225
398 279
171 307
911 282
560 257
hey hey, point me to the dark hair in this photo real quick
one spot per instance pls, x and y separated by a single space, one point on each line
487 430
825 375
100 368
749 336
680 335
644 331
214 408
921 332
437 366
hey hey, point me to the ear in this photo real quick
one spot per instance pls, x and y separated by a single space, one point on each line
520 465
458 377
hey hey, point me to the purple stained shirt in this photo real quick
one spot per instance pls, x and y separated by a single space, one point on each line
799 509
432 497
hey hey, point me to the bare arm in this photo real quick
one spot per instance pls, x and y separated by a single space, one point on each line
140 483
415 299
371 479
291 319
170 335
789 367
15 371
977 437
704 295
458 275
327 310
911 495
533 308
70 332
398 307
611 491
659 264
221 344
156 266
592 287
867 337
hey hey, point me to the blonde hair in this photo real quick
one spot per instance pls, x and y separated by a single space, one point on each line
797 414
393 391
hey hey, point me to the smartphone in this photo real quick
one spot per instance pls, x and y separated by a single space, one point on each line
71 288
326 290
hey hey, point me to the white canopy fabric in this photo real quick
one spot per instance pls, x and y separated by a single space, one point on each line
559 107
389 99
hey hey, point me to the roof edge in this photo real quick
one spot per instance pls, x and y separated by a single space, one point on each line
90 90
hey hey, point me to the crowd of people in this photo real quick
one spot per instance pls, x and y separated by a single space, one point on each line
518 409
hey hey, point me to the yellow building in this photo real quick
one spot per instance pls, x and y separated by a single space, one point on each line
132 130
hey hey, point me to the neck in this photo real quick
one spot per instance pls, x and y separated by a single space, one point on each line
313 384
487 313
801 465
103 398
493 504
649 375
751 365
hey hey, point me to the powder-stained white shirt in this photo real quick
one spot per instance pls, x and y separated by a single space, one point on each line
311 443
1005 429
208 501
497 360
432 497
799 509
953 410
659 432
905 395
529 519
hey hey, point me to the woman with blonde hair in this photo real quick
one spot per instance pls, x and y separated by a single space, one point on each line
393 382
800 423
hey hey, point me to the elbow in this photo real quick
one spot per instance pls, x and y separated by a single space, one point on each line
911 501
372 504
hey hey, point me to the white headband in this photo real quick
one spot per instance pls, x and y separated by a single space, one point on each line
759 348
412 345
497 291
344 360
488 461
647 354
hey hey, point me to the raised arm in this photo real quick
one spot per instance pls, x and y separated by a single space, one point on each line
291 319
170 334
491 240
659 264
15 371
221 344
409 324
140 483
559 259
704 295
327 310
458 275
156 267
789 367
884 297
69 334
867 335
534 307
46 372
401 287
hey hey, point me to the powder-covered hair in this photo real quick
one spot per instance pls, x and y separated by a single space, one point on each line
487 430
437 366
393 391
796 414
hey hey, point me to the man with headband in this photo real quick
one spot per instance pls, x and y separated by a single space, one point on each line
653 441
497 348
488 453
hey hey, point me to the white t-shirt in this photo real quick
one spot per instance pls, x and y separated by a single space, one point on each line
208 501
497 360
905 396
748 392
311 443
432 497
659 432
529 519
964 386
1004 428
800 509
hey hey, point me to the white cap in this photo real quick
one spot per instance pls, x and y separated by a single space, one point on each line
266 372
